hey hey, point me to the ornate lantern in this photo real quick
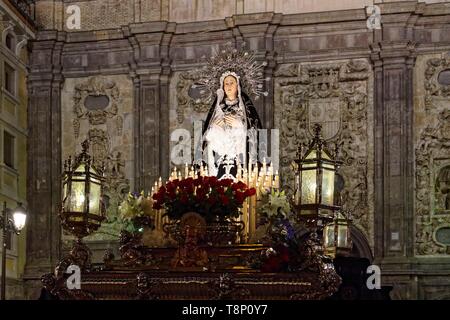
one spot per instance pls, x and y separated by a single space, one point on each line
314 180
337 236
83 209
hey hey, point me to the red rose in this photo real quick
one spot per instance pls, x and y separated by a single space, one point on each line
159 197
212 180
211 200
157 206
240 197
250 192
184 199
225 182
224 199
241 185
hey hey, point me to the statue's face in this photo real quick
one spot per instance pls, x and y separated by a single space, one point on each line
230 87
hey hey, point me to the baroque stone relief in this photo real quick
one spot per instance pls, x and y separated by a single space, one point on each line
437 80
432 155
187 96
100 110
337 95
432 173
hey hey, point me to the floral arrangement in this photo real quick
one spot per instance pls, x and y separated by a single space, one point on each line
136 212
281 232
272 202
207 196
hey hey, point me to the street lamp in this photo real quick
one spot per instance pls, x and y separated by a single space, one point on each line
11 221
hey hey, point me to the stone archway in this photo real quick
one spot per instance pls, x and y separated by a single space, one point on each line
361 247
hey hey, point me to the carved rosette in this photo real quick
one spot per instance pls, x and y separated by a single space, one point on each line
336 96
188 98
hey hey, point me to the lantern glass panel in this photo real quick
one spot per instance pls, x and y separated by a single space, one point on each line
328 166
308 187
342 236
77 196
81 168
309 165
327 187
94 198
312 155
329 235
324 155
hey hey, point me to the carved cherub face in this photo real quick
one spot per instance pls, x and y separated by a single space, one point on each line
230 87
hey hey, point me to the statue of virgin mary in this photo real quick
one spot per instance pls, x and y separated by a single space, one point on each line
230 131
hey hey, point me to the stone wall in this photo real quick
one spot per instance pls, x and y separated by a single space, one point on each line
104 14
338 95
380 113
100 110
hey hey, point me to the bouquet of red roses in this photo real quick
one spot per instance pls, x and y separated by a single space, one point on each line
207 196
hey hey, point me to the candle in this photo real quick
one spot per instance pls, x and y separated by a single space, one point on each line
186 171
277 180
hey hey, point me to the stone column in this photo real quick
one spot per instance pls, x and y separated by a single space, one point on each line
151 130
394 151
151 74
44 162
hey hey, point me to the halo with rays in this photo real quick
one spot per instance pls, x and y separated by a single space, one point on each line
242 62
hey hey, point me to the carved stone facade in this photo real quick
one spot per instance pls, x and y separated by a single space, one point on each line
338 95
432 150
364 85
100 109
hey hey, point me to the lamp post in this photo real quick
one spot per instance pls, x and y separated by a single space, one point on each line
10 224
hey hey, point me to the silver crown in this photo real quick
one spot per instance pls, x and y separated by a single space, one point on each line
241 62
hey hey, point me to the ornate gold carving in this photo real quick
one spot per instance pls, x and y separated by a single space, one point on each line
336 96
